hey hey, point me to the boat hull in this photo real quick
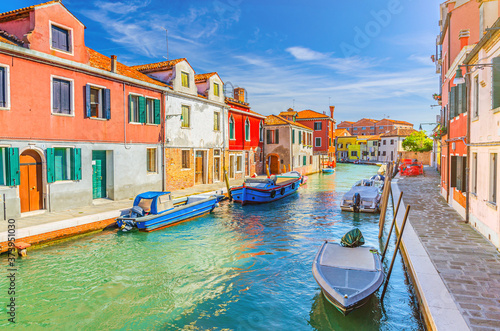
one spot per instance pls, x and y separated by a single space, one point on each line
174 216
250 195
328 170
361 210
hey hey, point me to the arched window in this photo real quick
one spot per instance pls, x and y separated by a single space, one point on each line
261 131
231 127
247 129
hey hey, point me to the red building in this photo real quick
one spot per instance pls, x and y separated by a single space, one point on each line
246 137
459 31
368 126
77 125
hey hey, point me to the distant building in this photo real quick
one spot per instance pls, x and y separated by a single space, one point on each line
288 146
368 126
343 143
391 144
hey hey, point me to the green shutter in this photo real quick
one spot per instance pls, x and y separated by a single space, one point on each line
51 177
300 137
277 136
293 136
305 160
76 164
453 171
231 130
142 109
495 89
453 102
157 112
461 98
60 164
13 171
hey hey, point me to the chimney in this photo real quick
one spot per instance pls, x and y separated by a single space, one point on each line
239 94
463 36
332 108
113 63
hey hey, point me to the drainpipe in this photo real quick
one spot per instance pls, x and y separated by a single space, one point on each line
163 136
291 147
224 169
125 118
467 168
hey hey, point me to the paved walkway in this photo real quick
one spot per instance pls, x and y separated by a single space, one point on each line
105 205
468 264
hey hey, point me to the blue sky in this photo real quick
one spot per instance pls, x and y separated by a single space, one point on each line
368 58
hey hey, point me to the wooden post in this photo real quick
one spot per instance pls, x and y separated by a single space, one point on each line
284 168
385 199
289 167
395 252
392 225
227 185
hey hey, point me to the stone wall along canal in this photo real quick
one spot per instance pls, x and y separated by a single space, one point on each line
243 268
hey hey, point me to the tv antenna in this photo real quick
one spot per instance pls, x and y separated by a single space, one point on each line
166 38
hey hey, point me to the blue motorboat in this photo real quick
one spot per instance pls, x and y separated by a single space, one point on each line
157 210
328 170
263 190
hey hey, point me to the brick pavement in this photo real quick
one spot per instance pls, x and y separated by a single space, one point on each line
468 264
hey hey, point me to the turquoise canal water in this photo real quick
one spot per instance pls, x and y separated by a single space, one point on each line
243 268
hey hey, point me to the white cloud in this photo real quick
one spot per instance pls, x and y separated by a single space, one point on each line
306 54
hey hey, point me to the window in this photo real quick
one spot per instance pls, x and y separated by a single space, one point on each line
303 138
61 96
378 153
340 145
384 142
495 89
216 89
185 120
216 121
317 142
355 129
392 142
134 109
354 153
317 126
277 136
151 159
239 163
372 153
150 111
305 160
383 153
95 102
185 79
4 87
493 178
330 142
247 130
293 136
270 135
261 131
474 173
231 128
300 137
186 157
381 127
60 38
458 173
476 97
363 128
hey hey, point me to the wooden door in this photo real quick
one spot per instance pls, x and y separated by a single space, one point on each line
217 169
30 187
98 174
231 166
275 165
199 173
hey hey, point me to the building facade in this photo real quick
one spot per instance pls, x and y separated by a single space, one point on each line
288 146
246 137
196 147
85 127
343 142
367 126
484 111
391 144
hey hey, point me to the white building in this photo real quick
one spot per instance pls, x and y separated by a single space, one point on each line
391 143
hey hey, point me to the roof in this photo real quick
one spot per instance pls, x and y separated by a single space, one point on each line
278 120
158 65
151 194
201 77
345 122
10 39
367 119
399 132
15 14
236 102
308 113
341 132
100 61
288 113
374 137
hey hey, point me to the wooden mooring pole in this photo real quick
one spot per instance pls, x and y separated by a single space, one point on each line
385 199
227 185
392 225
400 236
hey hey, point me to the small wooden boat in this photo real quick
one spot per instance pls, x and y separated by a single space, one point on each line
157 210
328 170
263 190
348 276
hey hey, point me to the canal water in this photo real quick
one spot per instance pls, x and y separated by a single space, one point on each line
242 268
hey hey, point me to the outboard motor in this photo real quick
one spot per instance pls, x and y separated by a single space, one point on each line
356 202
127 225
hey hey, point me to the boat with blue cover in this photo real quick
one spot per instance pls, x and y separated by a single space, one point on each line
264 190
157 210
328 170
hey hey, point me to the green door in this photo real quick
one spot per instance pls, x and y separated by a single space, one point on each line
98 174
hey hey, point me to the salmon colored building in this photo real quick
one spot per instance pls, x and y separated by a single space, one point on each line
246 137
76 125
368 126
323 127
459 31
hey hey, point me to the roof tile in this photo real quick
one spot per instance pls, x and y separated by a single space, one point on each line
158 65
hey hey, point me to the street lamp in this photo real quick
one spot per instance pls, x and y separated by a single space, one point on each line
459 78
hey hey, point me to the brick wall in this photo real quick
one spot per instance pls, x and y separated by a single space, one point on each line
424 157
177 178
60 234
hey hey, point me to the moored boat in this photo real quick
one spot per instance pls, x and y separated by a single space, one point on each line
264 190
361 198
328 170
157 210
347 276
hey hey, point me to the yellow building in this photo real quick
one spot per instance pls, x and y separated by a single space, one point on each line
354 151
343 144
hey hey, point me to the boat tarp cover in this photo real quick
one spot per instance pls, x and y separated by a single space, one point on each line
353 238
366 192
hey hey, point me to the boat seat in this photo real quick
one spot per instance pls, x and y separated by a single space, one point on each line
359 258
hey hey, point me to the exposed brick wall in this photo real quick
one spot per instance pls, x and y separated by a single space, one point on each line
424 157
177 178
60 234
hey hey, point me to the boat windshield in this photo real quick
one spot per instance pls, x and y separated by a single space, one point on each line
145 204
